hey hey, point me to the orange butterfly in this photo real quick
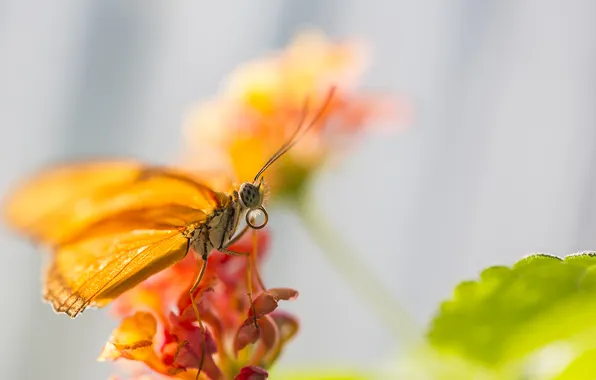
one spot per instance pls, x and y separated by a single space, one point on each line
112 224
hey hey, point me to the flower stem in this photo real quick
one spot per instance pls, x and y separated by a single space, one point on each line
357 273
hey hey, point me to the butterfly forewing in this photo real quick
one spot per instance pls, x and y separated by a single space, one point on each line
41 195
64 202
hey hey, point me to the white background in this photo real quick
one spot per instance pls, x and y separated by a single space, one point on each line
499 161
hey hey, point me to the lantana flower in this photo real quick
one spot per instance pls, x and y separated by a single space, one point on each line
159 328
262 103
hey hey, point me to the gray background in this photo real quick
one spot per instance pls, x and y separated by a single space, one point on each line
498 163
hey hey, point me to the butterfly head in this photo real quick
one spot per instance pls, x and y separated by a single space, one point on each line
252 197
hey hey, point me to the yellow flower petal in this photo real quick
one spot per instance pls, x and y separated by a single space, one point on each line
133 340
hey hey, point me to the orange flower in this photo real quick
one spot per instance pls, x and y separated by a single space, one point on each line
263 101
160 330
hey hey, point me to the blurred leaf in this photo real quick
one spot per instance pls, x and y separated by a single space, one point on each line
582 365
536 319
321 374
427 363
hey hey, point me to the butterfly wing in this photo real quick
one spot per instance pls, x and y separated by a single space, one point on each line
63 202
117 254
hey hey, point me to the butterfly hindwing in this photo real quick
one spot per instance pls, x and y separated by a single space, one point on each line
117 254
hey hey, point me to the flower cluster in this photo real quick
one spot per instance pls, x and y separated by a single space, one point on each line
263 102
160 329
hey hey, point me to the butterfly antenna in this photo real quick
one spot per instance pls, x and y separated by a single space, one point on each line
294 139
274 156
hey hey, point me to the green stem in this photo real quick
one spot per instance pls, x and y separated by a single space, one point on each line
357 273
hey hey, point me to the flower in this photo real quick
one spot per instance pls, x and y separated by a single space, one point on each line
159 327
262 103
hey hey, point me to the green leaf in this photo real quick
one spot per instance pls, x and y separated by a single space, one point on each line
541 310
583 364
321 374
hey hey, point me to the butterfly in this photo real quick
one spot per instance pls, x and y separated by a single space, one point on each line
112 224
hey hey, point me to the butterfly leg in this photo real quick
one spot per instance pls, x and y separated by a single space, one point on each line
248 277
197 315
252 256
253 259
250 262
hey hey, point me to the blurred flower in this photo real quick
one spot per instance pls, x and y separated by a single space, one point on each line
263 101
160 329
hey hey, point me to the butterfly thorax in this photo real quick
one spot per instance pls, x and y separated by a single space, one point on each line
219 227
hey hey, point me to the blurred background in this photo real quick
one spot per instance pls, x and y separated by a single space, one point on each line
499 161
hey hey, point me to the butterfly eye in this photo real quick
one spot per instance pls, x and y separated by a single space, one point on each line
250 195
257 218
